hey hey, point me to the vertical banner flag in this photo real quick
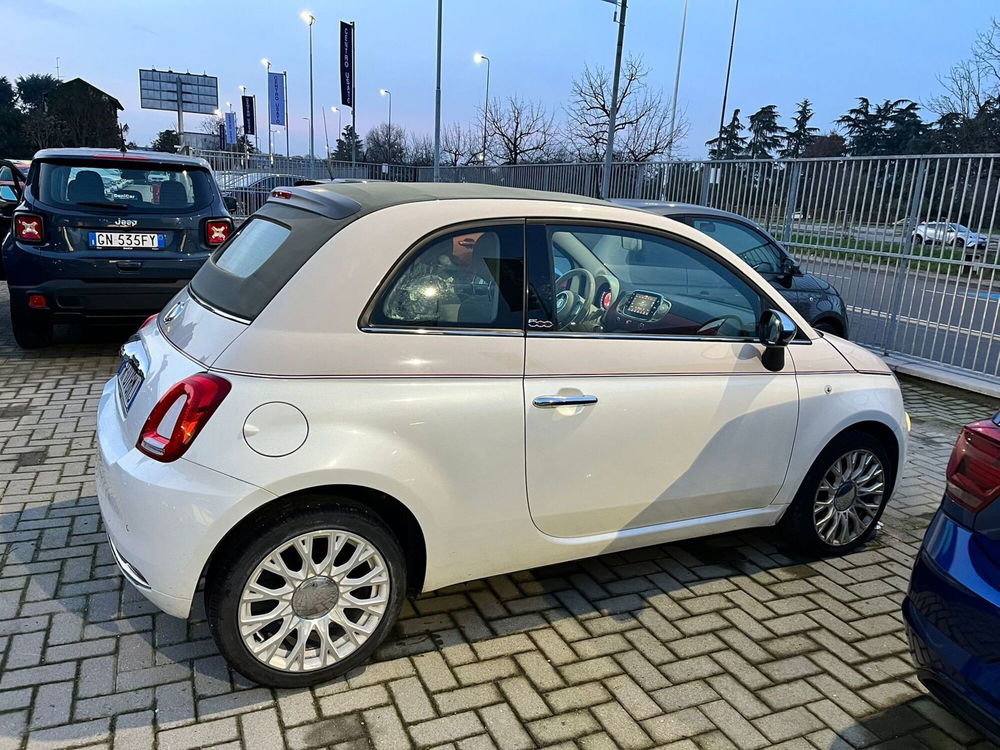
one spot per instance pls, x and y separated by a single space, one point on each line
249 116
230 128
276 98
347 64
222 137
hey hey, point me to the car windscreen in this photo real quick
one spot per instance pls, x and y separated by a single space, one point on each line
119 185
246 273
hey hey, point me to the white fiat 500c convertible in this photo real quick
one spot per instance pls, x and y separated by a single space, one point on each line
375 388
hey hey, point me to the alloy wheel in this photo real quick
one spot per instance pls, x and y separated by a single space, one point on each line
314 600
849 497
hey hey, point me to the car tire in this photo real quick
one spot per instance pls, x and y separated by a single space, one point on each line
918 239
804 526
31 330
315 605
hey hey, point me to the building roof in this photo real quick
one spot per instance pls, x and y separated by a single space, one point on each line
75 82
340 200
157 157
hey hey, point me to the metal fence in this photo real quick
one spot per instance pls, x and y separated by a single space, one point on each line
931 296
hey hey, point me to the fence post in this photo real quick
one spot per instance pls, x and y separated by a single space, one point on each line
903 266
706 175
793 199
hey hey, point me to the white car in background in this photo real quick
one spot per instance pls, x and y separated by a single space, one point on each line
374 389
950 233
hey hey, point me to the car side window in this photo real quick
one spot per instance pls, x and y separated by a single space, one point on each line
662 286
753 247
471 278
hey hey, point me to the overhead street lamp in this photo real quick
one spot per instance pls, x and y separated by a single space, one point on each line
386 92
310 19
729 69
478 58
613 111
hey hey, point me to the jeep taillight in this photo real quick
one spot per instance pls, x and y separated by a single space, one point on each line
179 415
217 231
29 227
974 468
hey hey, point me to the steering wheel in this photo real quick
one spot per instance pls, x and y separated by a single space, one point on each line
570 306
715 326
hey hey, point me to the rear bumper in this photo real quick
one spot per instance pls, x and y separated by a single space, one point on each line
72 300
107 286
163 519
952 615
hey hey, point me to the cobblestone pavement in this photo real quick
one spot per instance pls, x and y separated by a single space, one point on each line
714 643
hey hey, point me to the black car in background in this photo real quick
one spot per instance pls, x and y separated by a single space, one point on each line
816 300
107 236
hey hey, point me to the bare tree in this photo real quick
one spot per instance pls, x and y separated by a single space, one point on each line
459 145
642 126
519 131
420 150
971 82
385 144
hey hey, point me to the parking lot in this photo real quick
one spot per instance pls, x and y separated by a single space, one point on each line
714 643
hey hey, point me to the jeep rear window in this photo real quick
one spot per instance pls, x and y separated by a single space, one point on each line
246 273
121 186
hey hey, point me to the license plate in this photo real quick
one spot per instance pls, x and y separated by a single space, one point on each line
129 381
138 240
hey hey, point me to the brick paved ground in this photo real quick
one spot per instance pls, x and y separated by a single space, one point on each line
715 643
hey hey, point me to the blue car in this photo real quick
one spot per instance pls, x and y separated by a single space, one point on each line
952 611
104 236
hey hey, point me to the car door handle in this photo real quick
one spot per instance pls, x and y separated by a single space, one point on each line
554 402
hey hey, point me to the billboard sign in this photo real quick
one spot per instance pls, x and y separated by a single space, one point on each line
276 98
160 89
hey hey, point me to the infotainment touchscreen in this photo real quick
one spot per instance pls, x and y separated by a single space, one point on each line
642 305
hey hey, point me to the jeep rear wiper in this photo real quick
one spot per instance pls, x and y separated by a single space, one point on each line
102 204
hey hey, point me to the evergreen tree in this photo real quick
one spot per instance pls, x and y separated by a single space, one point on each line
730 142
166 141
797 139
343 150
765 132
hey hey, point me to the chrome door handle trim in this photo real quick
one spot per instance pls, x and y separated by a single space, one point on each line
554 402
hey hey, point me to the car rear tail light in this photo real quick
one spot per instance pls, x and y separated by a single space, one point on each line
179 415
974 468
281 194
37 301
149 320
217 231
29 228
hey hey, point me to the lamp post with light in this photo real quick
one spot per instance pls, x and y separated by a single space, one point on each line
478 58
310 19
340 117
387 93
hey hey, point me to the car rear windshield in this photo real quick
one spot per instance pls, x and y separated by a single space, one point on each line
117 185
245 274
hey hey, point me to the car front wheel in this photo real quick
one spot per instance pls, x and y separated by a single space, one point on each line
842 497
309 598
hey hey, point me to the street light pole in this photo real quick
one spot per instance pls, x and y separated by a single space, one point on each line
386 92
486 108
310 19
326 136
340 127
437 102
677 84
270 136
729 69
613 114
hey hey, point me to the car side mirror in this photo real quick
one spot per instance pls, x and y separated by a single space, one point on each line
777 331
229 202
790 267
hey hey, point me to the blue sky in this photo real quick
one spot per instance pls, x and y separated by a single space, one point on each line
828 50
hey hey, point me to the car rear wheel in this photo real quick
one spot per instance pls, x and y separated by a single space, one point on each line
31 330
842 497
308 599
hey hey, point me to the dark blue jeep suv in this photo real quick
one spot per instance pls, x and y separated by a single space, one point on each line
107 236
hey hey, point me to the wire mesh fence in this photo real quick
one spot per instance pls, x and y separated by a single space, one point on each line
910 242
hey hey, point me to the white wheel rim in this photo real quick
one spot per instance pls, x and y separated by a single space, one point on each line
314 600
849 497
